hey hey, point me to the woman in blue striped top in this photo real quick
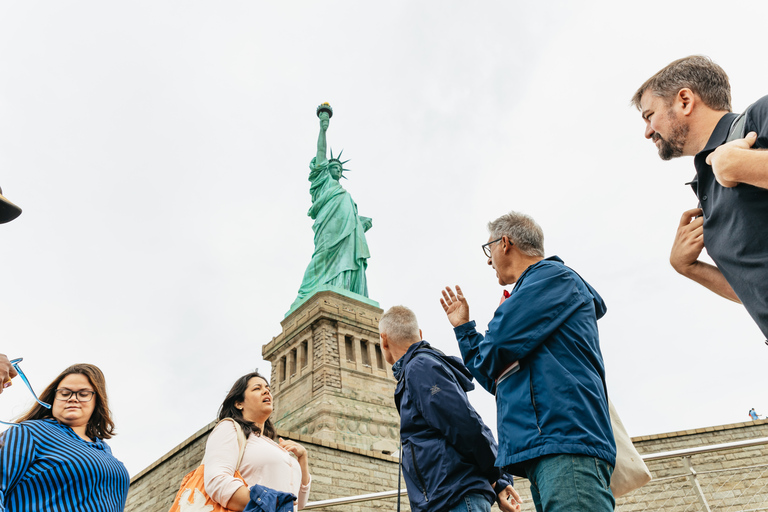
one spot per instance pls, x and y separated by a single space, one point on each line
56 459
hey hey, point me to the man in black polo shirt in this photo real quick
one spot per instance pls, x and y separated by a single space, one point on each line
687 111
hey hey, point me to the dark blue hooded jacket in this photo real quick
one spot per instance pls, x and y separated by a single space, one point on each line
556 403
446 449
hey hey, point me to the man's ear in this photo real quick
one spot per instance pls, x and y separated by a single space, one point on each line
384 341
507 244
685 101
421 336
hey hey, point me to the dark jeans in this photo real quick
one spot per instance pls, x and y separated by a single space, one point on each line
571 483
472 503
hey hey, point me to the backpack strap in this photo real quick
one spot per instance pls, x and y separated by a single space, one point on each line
737 126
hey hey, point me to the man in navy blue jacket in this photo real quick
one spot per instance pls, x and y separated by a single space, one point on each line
541 358
447 452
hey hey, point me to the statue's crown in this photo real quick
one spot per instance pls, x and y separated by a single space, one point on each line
338 160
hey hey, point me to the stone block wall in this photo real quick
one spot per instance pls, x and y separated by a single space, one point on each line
337 471
154 489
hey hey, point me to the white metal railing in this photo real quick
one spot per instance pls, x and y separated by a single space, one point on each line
355 499
685 454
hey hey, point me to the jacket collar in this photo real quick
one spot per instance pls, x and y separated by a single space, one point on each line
399 366
551 258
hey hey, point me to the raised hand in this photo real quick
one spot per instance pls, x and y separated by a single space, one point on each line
324 121
455 306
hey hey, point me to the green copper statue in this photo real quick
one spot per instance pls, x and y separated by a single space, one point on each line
341 252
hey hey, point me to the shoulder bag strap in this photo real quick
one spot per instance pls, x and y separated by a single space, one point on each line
241 441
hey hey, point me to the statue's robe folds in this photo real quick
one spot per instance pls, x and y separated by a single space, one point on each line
341 252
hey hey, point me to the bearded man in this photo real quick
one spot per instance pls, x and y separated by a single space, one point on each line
687 112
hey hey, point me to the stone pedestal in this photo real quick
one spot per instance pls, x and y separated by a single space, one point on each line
329 377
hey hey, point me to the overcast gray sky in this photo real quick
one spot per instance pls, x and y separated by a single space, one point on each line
159 150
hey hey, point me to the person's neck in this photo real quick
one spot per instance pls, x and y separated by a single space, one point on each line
258 422
701 128
523 263
398 351
81 430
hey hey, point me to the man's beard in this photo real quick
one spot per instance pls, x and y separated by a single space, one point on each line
672 147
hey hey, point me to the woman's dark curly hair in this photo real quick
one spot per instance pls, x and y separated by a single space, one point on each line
237 394
100 425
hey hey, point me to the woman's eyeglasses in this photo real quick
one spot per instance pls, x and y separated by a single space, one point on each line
83 395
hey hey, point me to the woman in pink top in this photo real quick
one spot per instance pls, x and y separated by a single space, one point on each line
265 462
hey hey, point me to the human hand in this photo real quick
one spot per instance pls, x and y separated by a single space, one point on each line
689 241
455 306
509 500
7 372
721 158
293 447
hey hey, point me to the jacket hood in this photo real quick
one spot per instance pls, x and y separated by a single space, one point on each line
600 307
451 362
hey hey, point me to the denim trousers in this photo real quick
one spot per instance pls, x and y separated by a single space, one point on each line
571 483
472 502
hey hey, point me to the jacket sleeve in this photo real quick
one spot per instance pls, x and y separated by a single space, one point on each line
16 456
445 407
469 341
220 461
537 308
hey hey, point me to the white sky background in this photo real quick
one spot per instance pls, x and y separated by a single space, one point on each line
160 149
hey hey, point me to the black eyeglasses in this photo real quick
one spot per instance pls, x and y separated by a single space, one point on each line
15 364
487 247
84 395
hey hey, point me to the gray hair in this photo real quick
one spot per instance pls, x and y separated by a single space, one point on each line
400 325
697 73
522 230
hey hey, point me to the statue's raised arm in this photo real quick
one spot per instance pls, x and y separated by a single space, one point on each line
324 113
341 251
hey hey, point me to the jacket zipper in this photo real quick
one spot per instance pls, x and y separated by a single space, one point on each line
535 412
418 474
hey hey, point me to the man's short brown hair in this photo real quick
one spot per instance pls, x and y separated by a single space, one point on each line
697 73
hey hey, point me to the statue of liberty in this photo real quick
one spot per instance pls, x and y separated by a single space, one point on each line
341 252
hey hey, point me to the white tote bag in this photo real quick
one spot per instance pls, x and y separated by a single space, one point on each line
630 472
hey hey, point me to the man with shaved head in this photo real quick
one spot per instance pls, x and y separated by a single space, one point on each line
447 452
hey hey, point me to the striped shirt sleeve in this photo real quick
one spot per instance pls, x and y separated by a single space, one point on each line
15 457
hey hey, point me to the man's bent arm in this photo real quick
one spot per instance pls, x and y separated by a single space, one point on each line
735 163
688 244
534 310
711 278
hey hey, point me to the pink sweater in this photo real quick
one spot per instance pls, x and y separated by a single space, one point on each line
264 463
